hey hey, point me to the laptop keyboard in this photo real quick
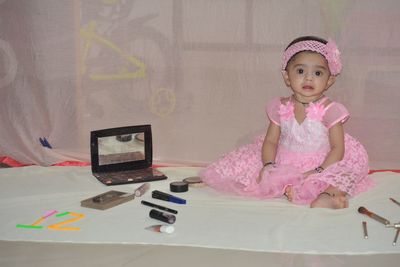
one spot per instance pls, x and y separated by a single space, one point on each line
134 176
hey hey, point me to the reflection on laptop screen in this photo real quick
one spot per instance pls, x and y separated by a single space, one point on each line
121 148
123 155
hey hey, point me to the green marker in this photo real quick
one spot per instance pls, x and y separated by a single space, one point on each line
29 226
62 214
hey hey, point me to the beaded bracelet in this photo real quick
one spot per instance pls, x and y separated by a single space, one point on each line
269 163
319 169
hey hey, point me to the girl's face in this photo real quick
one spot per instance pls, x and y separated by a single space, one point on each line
308 75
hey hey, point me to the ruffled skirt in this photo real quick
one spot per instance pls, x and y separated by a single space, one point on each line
237 172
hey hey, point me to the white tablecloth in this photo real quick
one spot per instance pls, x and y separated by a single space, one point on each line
209 220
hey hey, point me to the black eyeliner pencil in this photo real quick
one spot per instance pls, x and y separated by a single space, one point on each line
158 207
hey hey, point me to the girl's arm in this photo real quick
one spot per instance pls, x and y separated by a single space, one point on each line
269 147
336 140
270 143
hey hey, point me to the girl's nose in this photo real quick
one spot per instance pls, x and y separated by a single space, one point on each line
309 76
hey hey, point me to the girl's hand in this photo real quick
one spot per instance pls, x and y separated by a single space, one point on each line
306 174
319 169
263 169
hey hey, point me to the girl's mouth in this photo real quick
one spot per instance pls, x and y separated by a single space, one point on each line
308 87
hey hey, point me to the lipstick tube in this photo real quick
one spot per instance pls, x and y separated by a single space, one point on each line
140 191
162 216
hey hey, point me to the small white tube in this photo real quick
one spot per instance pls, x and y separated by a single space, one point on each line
141 190
162 228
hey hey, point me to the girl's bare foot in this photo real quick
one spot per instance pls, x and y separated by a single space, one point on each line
331 200
289 192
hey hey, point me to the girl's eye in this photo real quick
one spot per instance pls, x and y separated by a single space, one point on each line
318 73
300 71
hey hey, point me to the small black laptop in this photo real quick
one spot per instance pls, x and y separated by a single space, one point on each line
123 155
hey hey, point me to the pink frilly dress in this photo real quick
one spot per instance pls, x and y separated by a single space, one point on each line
302 147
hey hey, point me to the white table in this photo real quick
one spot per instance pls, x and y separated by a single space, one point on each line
212 228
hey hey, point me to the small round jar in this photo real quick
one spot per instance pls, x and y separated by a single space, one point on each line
178 187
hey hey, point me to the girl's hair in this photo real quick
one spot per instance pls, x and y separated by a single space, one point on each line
307 38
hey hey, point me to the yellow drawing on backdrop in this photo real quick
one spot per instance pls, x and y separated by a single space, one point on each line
90 36
162 102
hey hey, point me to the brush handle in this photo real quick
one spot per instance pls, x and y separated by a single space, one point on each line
372 215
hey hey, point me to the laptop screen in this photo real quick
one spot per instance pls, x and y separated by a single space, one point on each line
121 149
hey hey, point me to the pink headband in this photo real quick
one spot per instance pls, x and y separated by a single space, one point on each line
329 51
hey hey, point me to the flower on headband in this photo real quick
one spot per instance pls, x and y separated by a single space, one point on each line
333 57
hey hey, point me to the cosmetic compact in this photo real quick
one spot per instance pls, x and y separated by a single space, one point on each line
194 181
178 187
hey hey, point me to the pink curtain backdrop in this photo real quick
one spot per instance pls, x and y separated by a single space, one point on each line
199 71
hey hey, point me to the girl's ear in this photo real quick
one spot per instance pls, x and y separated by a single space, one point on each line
330 81
286 78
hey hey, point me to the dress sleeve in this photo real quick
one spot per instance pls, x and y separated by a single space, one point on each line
272 110
335 112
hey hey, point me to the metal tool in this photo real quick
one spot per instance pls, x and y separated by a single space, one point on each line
395 237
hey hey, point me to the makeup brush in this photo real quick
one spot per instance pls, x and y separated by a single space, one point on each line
372 215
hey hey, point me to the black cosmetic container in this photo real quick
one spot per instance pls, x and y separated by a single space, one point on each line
162 216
